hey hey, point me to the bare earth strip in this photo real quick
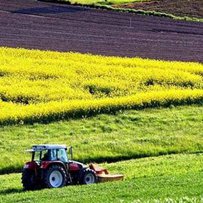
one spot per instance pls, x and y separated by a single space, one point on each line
48 26
192 8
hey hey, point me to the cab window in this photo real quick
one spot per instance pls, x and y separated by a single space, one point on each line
58 154
62 155
53 155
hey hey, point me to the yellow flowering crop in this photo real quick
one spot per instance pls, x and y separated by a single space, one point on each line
45 86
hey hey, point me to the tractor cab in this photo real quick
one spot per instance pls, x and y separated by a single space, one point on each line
50 153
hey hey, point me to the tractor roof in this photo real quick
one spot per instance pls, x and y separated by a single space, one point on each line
42 147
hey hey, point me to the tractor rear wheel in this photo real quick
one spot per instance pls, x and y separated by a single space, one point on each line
55 177
29 180
89 177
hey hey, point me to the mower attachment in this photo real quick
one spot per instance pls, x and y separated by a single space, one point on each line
103 174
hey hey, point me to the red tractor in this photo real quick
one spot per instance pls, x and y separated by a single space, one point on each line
51 167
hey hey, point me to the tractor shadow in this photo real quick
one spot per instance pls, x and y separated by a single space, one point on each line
11 191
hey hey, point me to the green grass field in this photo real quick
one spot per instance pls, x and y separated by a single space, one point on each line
172 178
150 132
125 135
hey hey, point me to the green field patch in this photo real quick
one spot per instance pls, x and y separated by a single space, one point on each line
169 178
125 135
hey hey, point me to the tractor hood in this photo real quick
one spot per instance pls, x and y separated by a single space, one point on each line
76 163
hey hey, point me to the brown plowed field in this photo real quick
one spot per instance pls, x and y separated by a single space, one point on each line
32 24
191 8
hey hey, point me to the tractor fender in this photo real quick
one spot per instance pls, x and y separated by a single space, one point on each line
31 165
47 164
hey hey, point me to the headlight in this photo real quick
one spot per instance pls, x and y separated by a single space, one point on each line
26 166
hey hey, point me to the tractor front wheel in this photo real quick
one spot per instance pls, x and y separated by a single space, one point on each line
88 177
29 180
55 177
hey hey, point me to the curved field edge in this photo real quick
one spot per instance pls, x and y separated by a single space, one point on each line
43 86
152 13
174 177
53 111
125 135
106 6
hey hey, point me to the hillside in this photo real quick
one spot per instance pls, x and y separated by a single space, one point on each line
184 8
125 89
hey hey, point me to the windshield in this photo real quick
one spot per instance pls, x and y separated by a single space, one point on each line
62 155
59 154
40 155
50 155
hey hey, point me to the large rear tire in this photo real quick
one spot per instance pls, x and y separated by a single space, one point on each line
29 180
88 177
55 177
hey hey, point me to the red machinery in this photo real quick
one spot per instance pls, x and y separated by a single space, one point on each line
51 167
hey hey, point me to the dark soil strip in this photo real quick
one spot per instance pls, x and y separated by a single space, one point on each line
50 26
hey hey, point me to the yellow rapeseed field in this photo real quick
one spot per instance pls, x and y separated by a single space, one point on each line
45 86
